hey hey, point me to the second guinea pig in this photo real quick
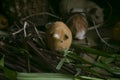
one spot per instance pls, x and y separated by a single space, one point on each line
58 36
78 26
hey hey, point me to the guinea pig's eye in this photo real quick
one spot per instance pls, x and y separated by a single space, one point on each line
51 34
66 37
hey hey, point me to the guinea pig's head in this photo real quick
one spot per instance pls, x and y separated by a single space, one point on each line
96 14
58 36
78 25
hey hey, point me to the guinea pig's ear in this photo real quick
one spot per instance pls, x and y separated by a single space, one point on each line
48 25
51 34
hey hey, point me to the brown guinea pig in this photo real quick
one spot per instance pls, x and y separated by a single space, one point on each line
58 36
78 26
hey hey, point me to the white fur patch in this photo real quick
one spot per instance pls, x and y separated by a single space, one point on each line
57 36
80 34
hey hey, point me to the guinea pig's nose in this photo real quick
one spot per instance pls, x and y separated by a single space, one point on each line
61 41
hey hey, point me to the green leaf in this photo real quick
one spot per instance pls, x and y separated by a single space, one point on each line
113 79
60 63
9 73
93 51
107 60
65 53
2 62
88 78
44 76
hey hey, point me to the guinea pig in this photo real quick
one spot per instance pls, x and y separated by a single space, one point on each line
58 36
78 26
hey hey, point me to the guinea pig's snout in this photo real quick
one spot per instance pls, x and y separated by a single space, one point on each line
65 38
61 41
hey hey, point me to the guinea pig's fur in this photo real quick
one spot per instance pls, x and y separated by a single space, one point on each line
58 36
78 26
